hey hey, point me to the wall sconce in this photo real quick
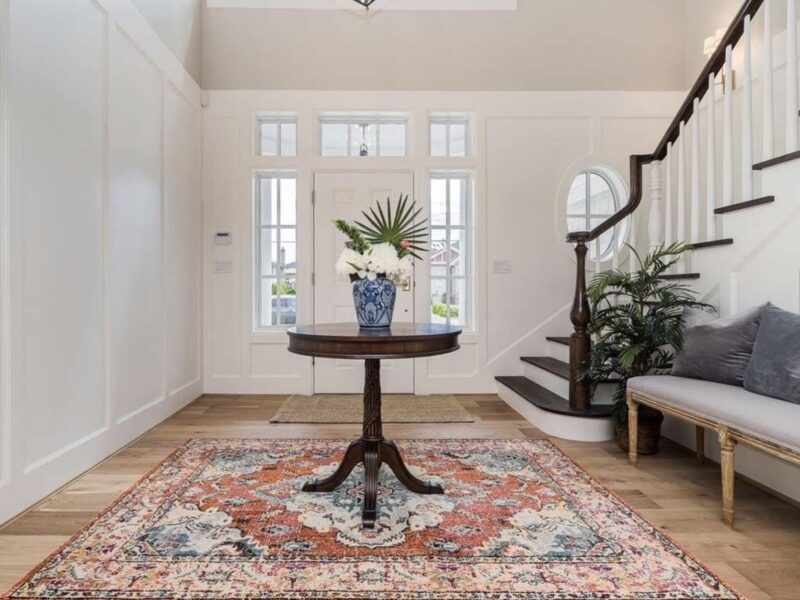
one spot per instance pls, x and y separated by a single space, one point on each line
710 46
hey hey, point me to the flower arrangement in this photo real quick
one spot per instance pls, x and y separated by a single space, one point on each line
385 245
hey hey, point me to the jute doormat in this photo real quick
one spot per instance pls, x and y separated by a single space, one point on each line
348 408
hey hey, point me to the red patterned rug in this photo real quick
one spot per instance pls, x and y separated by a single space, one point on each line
225 519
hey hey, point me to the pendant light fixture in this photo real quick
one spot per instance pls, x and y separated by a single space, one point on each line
365 3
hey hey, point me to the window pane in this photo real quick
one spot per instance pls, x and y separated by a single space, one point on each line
285 296
288 139
602 202
438 139
438 201
268 199
576 201
458 201
269 252
269 138
438 301
288 201
575 224
604 242
361 136
455 260
393 139
458 306
334 139
458 139
439 254
265 310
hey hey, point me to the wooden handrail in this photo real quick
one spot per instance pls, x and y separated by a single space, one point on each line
699 90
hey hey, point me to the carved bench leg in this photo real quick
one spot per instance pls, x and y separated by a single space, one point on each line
700 443
633 429
727 445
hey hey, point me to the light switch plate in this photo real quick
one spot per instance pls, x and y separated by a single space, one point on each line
501 267
223 266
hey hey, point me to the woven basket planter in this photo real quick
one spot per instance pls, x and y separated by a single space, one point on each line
649 433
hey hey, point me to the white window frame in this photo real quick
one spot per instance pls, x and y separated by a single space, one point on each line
467 320
359 119
448 121
258 277
617 187
277 120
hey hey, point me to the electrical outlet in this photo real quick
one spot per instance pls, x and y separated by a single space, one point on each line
223 266
501 267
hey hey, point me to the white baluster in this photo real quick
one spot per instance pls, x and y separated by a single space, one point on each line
747 114
632 264
654 222
681 212
727 131
711 163
597 261
694 214
668 236
791 77
615 250
768 110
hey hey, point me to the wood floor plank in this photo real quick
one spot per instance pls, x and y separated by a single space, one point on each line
681 497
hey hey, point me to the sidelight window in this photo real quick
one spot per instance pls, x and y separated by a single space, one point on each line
275 250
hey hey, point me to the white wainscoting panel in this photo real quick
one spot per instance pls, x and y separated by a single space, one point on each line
98 218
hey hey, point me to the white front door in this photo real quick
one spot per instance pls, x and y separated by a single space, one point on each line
344 196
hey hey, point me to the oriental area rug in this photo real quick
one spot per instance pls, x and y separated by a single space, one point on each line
226 519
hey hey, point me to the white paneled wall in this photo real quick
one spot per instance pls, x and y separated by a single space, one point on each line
101 276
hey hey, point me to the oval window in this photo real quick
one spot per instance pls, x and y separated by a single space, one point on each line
594 196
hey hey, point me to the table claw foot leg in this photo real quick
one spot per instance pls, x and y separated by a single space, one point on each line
390 455
372 466
352 456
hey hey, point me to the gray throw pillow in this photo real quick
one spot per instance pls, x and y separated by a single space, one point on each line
720 350
774 369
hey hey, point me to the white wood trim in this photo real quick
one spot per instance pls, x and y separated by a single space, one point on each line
5 256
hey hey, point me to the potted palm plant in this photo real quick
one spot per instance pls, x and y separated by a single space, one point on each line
379 255
637 324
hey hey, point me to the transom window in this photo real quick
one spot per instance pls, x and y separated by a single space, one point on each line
276 136
594 196
449 136
275 250
363 135
450 249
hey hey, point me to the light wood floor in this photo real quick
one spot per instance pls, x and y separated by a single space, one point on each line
759 557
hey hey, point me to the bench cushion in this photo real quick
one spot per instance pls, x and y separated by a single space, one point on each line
768 418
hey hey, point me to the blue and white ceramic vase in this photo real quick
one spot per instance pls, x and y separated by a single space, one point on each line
374 302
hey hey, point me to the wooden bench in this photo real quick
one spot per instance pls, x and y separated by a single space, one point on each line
736 415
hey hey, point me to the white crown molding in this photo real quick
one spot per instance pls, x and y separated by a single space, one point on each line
403 5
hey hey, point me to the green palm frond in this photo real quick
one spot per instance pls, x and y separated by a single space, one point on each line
395 225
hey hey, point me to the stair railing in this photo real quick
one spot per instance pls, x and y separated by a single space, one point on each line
673 227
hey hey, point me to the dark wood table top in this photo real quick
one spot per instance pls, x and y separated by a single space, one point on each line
348 340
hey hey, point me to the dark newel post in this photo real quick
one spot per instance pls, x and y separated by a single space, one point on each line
580 344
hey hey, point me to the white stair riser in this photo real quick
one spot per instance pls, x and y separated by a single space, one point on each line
559 351
560 386
561 426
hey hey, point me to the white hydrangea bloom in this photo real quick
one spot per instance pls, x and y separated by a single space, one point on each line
381 259
351 262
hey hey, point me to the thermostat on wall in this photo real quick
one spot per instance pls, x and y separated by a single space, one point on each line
223 238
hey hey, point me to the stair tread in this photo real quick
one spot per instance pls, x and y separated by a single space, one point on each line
765 164
559 340
550 364
673 276
546 400
742 205
555 366
710 244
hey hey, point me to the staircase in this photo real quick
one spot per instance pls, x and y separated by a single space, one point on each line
685 204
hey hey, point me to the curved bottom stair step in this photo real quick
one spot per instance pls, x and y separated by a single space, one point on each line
546 400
